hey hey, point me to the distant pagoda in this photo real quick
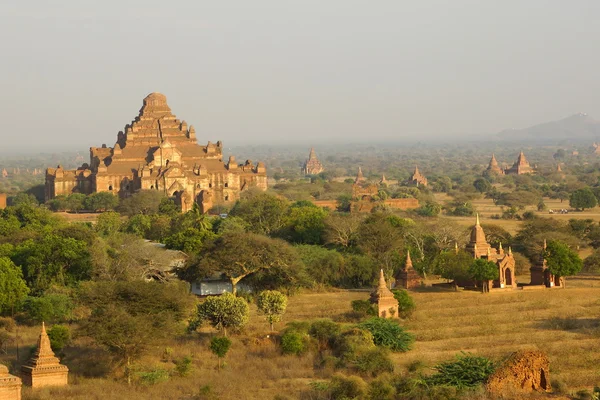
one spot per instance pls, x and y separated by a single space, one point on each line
417 178
521 166
359 177
407 277
493 167
312 166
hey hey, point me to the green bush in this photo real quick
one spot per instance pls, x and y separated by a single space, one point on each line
325 331
50 308
153 377
381 390
347 387
294 342
364 307
387 333
373 362
465 371
183 367
60 336
406 304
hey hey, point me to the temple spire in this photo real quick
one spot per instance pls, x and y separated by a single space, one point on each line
477 221
456 247
408 263
359 176
545 244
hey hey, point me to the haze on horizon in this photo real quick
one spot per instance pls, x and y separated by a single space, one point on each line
74 73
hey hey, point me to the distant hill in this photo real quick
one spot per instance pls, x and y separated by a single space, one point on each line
577 126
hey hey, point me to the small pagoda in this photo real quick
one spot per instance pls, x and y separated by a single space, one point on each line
541 275
417 178
312 166
360 178
10 385
44 369
407 277
521 166
493 167
387 305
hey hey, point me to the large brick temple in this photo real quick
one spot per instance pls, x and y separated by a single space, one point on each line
157 151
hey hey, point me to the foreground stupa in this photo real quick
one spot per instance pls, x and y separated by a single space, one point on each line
44 369
10 385
159 152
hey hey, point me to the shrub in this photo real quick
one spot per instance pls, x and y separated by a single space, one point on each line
294 342
153 377
184 366
388 333
406 304
325 331
381 390
60 336
373 362
465 371
364 307
347 387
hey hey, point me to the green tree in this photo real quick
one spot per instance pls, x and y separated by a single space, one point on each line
453 266
387 333
219 347
305 223
60 336
75 202
484 271
128 318
52 259
562 261
223 312
108 223
582 199
13 289
101 201
482 185
264 213
146 202
239 255
273 304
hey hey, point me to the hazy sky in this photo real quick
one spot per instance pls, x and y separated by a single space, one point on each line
74 72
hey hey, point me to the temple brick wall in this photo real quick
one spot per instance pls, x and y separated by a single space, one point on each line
2 201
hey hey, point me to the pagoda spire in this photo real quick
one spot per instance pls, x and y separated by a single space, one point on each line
477 220
359 176
408 263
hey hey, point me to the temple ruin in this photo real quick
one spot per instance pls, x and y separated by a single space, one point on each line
541 275
387 305
407 277
520 167
493 167
157 151
10 385
2 201
312 166
44 369
417 178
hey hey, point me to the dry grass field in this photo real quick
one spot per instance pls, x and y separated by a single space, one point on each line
564 323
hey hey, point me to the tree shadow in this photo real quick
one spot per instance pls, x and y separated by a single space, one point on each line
91 362
580 325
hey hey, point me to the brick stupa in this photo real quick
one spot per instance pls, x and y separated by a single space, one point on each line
44 369
494 168
521 166
417 178
312 166
407 277
387 305
10 385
